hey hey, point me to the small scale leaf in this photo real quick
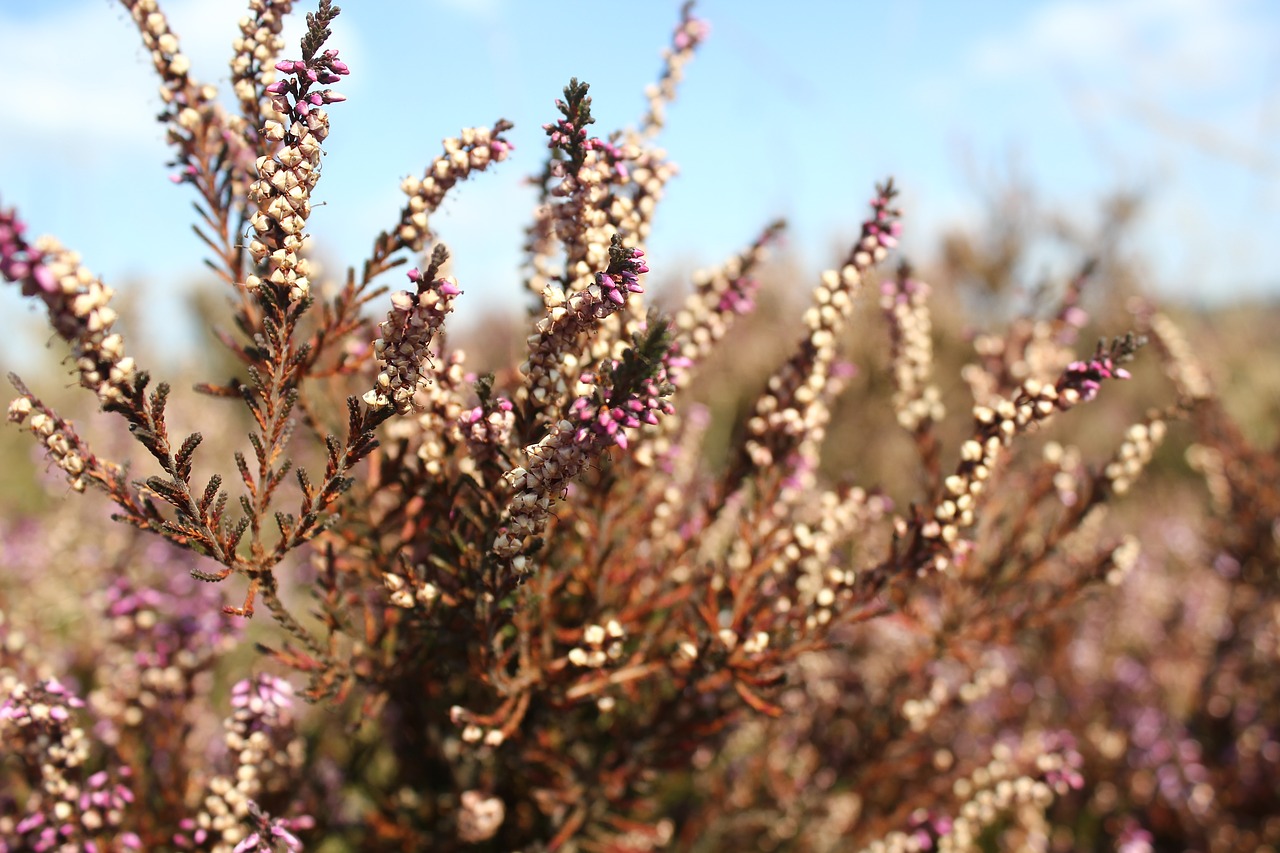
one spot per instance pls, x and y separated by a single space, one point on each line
185 454
210 492
242 465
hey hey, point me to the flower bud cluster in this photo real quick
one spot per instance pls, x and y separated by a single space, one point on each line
266 755
638 181
408 592
600 645
904 301
590 428
172 65
1038 350
403 350
998 788
679 460
991 675
807 554
1082 380
1022 778
605 425
1180 361
1123 559
577 215
162 638
258 44
718 298
554 347
801 464
1070 465
995 427
1140 443
786 412
610 186
479 817
441 403
77 302
553 463
1211 463
580 223
488 428
1049 345
690 33
282 191
472 151
197 124
58 437
37 728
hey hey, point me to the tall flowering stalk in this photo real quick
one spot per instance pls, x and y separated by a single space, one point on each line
792 404
282 192
411 325
78 306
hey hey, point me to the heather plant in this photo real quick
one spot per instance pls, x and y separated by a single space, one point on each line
528 610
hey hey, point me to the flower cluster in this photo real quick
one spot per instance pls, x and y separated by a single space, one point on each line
259 736
555 347
77 303
488 427
690 33
995 427
163 644
578 220
904 301
282 192
65 448
66 809
718 298
1181 364
792 408
474 150
412 323
620 395
258 44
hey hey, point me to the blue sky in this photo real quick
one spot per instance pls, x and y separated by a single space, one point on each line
790 109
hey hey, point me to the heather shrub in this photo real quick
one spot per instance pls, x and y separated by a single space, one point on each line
691 580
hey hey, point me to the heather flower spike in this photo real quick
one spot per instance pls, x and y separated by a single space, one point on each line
78 306
688 36
560 336
414 321
937 537
903 299
282 192
628 395
791 407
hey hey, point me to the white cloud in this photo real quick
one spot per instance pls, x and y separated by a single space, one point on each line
85 90
96 81
1157 44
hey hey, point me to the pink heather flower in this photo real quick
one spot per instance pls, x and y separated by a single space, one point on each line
1076 317
19 262
324 69
740 301
1085 377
